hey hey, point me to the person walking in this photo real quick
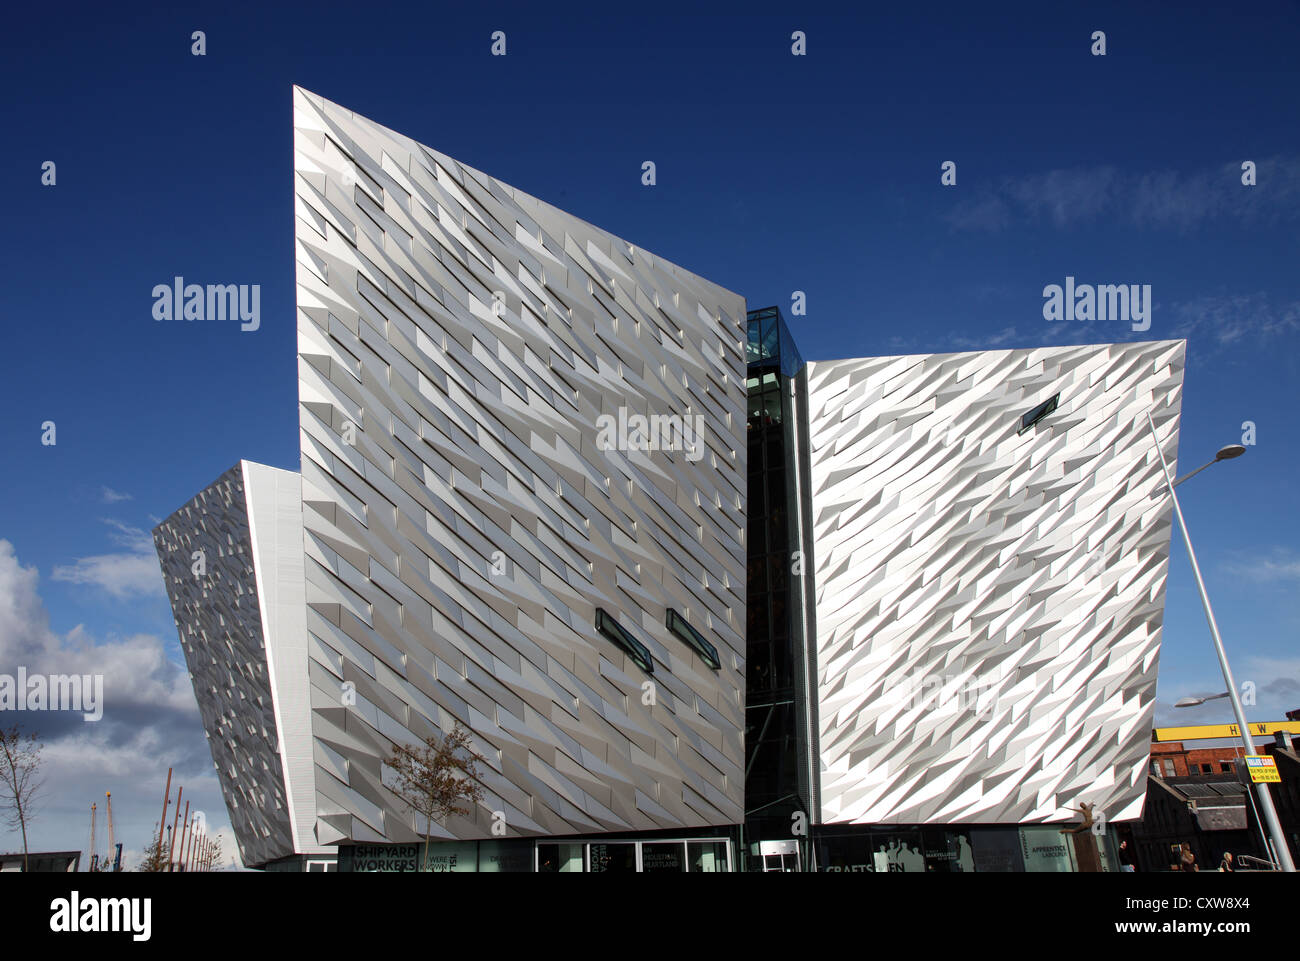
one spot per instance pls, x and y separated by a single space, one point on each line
1187 860
1228 863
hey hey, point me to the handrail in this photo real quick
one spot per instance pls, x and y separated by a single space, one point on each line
1246 860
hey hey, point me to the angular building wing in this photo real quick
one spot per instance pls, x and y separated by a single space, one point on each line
478 482
990 573
232 565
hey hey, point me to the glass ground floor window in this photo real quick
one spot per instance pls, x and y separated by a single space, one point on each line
932 850
545 856
443 857
560 858
898 851
616 858
665 858
953 849
706 857
832 849
673 856
1046 849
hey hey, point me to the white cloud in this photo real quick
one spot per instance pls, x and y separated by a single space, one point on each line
110 496
133 572
150 723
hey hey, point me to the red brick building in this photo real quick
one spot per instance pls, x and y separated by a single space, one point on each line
1171 759
1197 796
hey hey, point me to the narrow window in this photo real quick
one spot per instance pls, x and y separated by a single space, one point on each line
615 632
1038 413
677 624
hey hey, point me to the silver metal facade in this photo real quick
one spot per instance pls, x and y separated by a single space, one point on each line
989 602
459 344
209 568
474 487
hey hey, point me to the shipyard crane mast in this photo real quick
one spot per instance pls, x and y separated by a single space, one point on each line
114 850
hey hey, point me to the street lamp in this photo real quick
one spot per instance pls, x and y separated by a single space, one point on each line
1225 453
1265 798
1194 701
1242 771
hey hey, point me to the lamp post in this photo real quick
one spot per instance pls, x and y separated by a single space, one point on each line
1265 798
1242 770
1196 701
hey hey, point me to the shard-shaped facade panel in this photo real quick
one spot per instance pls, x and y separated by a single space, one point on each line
474 370
209 566
989 598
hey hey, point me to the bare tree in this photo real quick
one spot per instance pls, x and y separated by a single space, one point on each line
437 778
20 763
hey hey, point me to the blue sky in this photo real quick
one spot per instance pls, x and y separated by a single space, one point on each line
776 173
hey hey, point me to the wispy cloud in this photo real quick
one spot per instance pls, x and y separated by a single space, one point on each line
1279 565
1157 200
1230 319
110 496
1212 324
132 572
1007 335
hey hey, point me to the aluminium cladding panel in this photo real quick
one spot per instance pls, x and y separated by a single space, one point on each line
989 603
274 499
459 343
207 558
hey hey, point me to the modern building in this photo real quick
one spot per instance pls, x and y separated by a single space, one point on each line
971 650
521 508
906 617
